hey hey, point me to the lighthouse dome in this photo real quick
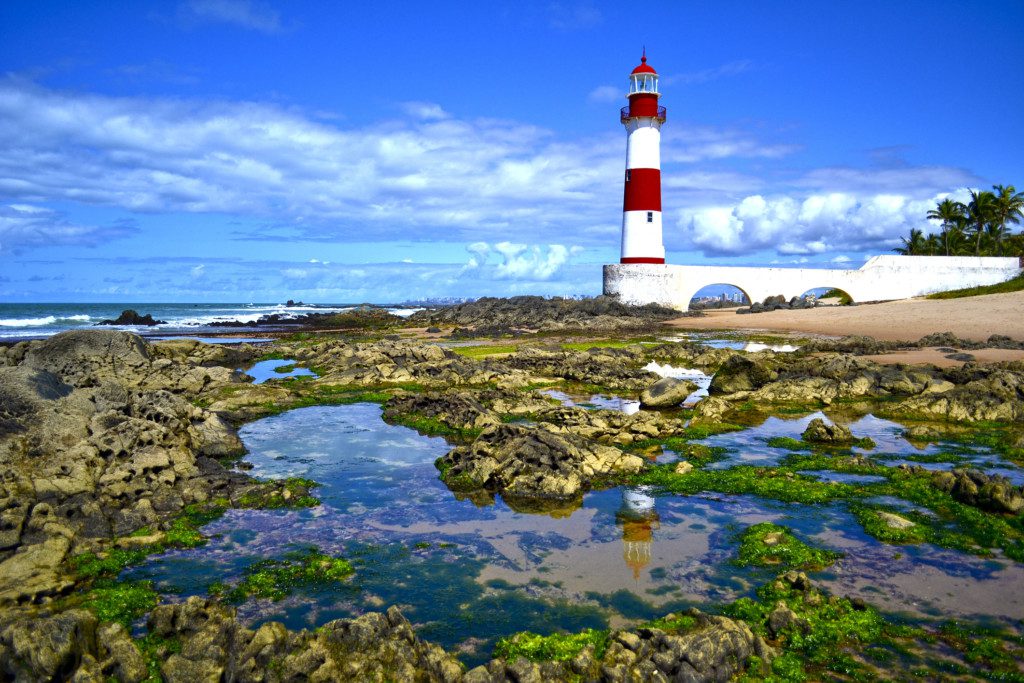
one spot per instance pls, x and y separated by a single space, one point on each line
644 67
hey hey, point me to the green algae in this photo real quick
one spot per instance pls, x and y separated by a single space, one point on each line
788 443
155 650
955 525
765 482
672 623
432 426
290 493
695 453
120 601
557 647
478 351
826 633
993 649
276 579
768 544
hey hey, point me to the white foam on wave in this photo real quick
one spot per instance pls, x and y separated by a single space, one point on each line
404 312
257 312
27 322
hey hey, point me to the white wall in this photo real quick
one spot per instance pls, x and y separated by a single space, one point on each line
881 278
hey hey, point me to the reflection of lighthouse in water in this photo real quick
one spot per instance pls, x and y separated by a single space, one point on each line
638 520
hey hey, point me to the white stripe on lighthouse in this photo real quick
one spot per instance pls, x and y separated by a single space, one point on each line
643 145
640 238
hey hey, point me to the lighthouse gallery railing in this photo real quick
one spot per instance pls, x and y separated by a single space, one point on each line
624 114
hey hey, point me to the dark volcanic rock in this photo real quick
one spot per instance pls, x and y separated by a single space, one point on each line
131 317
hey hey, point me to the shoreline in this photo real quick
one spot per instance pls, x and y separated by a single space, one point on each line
975 318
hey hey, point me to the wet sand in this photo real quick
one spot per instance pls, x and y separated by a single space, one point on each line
975 318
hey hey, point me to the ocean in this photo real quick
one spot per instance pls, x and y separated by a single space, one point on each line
33 321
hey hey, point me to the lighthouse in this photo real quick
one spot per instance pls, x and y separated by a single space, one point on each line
641 203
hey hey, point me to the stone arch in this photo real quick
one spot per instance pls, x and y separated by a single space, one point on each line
844 293
738 288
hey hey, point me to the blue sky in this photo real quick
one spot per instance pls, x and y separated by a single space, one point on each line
244 150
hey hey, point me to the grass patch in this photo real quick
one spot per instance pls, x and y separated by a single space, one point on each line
767 545
1014 285
275 579
558 647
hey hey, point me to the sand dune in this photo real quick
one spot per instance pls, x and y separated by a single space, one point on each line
974 318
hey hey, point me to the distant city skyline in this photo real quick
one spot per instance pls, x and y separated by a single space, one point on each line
251 150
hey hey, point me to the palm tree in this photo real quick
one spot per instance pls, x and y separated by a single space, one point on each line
1008 208
980 211
952 215
917 245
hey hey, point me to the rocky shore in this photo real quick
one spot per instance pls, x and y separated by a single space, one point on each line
112 448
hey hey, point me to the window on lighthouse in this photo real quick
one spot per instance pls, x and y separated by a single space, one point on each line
650 216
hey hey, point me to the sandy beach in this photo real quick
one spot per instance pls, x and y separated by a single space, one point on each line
975 318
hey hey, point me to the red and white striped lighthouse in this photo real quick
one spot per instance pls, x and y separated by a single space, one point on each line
641 203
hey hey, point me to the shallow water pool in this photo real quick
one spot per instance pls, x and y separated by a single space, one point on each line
466 574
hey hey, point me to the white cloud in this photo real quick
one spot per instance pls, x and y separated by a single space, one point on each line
704 75
606 93
817 224
424 110
198 271
523 262
25 225
257 16
841 259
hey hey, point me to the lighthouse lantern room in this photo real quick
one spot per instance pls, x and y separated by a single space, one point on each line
641 204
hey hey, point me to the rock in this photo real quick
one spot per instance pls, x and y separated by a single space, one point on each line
741 373
532 463
131 317
819 431
683 467
894 521
715 649
782 619
35 571
532 312
667 393
710 409
460 411
433 330
45 648
23 392
988 492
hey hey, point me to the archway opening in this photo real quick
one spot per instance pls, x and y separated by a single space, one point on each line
719 295
828 296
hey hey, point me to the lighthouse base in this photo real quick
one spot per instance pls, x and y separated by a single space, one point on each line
881 278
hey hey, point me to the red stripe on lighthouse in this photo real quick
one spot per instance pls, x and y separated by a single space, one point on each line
643 105
643 190
640 259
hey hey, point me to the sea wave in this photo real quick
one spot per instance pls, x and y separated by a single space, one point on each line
27 322
43 321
